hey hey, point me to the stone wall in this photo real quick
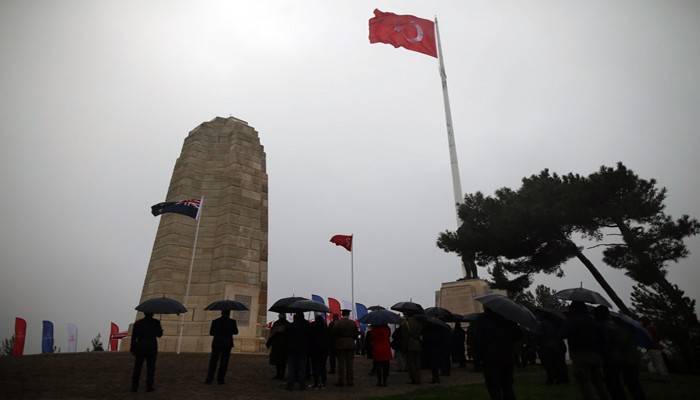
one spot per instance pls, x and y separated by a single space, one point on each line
458 296
223 161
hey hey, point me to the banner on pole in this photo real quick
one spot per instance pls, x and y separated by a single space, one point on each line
20 335
317 299
72 341
113 341
334 307
46 337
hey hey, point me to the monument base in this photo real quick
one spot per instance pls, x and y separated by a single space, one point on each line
458 296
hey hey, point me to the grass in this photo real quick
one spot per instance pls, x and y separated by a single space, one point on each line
529 386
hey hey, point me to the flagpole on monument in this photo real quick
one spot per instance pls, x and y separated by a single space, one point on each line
456 181
189 276
352 276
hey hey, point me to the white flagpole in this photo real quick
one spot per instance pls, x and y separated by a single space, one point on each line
456 181
352 277
189 276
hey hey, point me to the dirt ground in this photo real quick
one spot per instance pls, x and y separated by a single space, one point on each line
107 376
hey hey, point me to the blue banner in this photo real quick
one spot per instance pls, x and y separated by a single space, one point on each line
317 299
361 312
47 337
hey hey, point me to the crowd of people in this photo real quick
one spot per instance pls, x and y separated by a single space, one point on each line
604 353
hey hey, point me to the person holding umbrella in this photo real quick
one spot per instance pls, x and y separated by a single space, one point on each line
144 347
458 338
222 329
345 331
277 343
587 342
381 352
494 342
411 344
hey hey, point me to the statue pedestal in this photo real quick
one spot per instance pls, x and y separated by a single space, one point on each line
458 296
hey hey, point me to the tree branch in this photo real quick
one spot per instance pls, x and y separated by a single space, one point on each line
606 244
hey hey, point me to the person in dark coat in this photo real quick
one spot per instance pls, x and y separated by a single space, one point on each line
223 329
144 347
298 337
320 339
495 343
471 348
445 350
552 350
586 345
368 350
277 343
620 358
331 347
458 338
345 331
432 351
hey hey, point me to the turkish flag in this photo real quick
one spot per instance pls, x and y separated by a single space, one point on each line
343 240
406 31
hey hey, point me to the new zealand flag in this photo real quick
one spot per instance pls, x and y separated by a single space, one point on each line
188 207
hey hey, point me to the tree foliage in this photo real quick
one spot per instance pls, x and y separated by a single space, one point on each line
545 298
97 343
8 345
532 229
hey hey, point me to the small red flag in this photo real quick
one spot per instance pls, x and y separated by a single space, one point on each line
405 31
343 240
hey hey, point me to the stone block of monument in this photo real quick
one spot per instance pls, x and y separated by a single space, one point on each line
223 161
458 296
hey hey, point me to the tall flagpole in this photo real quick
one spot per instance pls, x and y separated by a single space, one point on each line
189 276
456 182
352 276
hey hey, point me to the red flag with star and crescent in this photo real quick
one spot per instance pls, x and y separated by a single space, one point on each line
343 240
405 31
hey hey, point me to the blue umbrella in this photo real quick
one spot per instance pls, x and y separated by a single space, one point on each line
641 334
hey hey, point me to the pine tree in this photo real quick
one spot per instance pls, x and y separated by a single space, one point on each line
97 343
8 345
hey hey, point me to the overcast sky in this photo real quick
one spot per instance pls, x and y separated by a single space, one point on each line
96 98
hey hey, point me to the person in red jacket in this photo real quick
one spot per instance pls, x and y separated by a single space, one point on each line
381 352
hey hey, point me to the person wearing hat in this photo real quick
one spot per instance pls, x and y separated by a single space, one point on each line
344 332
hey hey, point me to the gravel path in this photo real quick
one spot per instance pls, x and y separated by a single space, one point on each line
107 376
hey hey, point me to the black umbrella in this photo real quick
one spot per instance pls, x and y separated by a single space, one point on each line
471 317
380 317
161 305
307 305
510 310
281 305
552 315
226 305
408 307
441 313
584 295
433 321
375 308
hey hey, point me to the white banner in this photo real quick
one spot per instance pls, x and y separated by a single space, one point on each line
72 334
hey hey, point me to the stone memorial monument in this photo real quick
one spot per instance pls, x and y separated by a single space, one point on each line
222 161
458 296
